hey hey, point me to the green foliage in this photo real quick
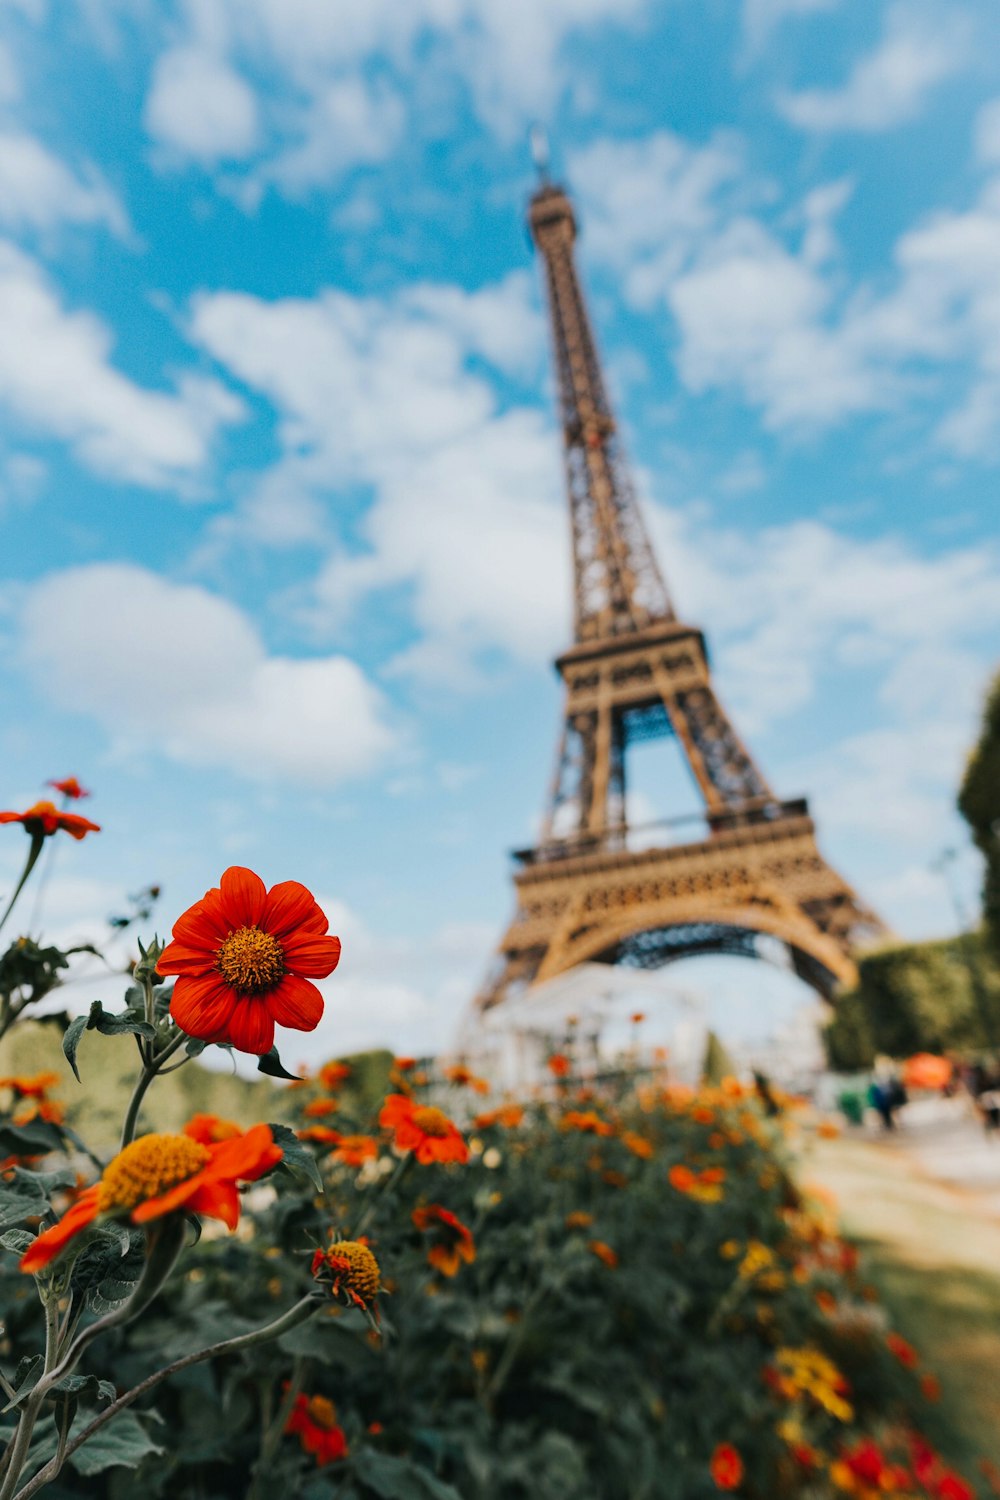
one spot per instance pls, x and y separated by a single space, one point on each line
717 1063
917 997
979 804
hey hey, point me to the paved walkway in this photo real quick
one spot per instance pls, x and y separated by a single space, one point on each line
945 1140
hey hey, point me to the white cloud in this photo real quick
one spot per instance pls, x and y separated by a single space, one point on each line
770 312
175 669
200 107
468 509
762 17
888 86
987 133
334 78
56 375
10 83
39 191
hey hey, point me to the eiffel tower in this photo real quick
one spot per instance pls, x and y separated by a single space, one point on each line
636 671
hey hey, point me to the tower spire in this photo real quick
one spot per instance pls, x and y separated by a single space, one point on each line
618 587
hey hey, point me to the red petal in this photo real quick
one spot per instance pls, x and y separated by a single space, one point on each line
178 958
251 1026
296 1003
165 1203
312 956
291 906
243 896
202 1006
205 922
245 1157
217 1200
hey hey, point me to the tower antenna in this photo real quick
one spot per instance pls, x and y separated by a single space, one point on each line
538 140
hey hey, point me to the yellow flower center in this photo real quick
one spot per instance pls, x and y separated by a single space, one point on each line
148 1167
431 1121
354 1265
323 1412
251 960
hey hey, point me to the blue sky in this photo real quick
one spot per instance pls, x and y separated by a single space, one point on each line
282 535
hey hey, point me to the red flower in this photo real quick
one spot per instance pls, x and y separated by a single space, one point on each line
423 1129
210 1129
162 1174
726 1467
45 818
332 1074
953 1488
70 787
313 1420
904 1352
316 1108
245 957
559 1065
866 1461
454 1242
33 1087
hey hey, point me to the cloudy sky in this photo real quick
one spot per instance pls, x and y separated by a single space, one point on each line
283 546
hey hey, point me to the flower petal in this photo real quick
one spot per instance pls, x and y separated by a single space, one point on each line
310 955
179 958
296 1003
291 906
245 1157
73 1222
164 1203
243 896
202 1006
205 922
251 1025
217 1200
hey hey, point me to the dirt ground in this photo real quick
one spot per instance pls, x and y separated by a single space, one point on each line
932 1248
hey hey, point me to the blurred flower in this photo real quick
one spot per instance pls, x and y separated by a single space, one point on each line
508 1115
726 1467
350 1270
210 1129
313 1420
637 1017
463 1078
160 1174
69 787
332 1074
32 1086
453 1240
559 1064
931 1387
904 1352
587 1121
423 1129
579 1220
318 1107
637 1144
245 957
44 818
603 1252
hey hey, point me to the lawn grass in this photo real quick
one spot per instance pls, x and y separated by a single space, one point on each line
933 1253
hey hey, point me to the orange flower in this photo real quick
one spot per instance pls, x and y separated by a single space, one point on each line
454 1243
313 1420
462 1077
637 1144
317 1107
508 1115
404 1064
49 1110
559 1065
603 1252
726 1467
245 957
637 1017
45 818
587 1121
210 1129
332 1074
682 1178
423 1129
69 787
33 1086
320 1135
579 1220
904 1352
702 1115
162 1174
352 1150
350 1270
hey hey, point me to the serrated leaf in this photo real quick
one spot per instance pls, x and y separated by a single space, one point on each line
123 1443
394 1478
296 1158
272 1065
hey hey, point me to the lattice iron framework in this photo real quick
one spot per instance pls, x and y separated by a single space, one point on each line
635 671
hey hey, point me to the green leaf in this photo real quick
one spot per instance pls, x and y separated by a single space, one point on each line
17 1240
21 1197
87 1388
272 1065
25 1378
35 1139
296 1158
107 1269
399 1478
103 1021
124 1442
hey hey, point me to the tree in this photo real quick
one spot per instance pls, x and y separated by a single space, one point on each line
979 804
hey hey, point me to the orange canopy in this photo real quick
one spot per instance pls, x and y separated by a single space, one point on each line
925 1071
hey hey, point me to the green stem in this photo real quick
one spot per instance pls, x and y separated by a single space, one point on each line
37 844
146 1077
295 1315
